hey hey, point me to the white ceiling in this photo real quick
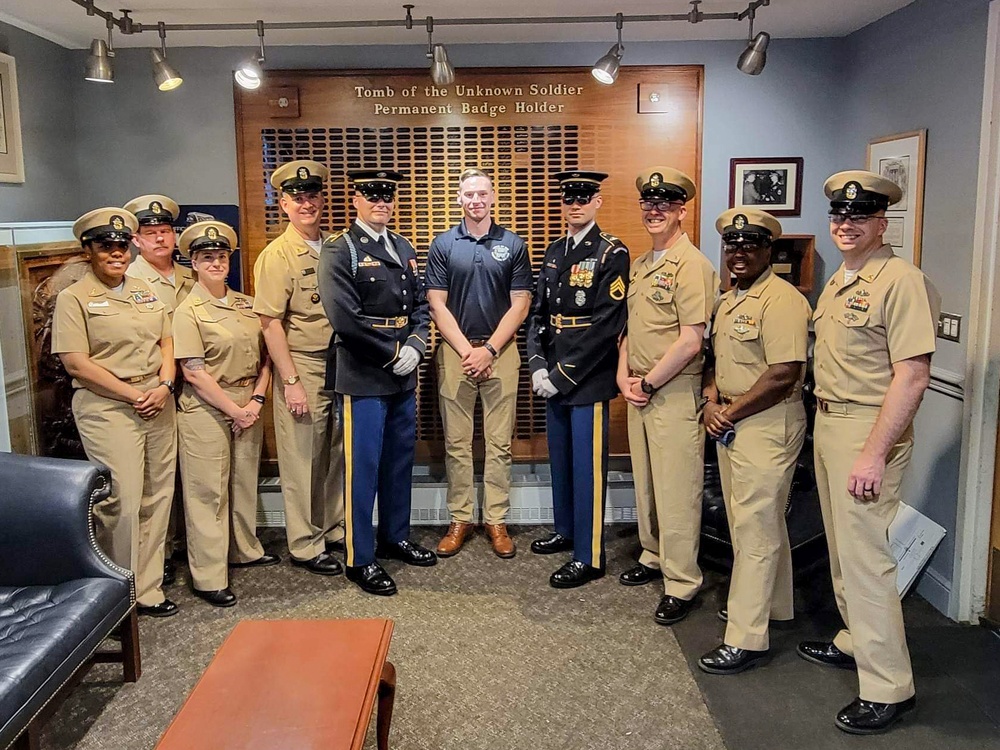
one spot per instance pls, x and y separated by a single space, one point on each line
66 23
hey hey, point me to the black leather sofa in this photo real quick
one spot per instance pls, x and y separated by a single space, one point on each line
60 596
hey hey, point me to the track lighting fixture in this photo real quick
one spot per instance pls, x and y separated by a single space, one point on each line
99 67
606 69
249 73
754 57
166 78
442 71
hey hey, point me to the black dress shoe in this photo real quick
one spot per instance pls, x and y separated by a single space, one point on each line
826 654
372 579
169 572
671 610
264 561
867 717
731 660
407 551
166 608
323 564
640 575
221 598
552 543
573 574
337 546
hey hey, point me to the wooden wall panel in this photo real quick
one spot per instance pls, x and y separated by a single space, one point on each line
519 125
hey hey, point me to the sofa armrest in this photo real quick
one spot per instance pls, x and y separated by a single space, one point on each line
46 521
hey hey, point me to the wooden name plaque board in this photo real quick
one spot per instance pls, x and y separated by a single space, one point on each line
518 125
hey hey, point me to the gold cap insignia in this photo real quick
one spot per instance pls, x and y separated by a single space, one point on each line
118 223
212 233
155 207
655 179
740 221
302 173
851 191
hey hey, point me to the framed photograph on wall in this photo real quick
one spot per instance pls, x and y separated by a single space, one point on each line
773 185
900 158
11 155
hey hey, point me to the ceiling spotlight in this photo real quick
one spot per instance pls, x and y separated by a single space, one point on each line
99 68
442 71
166 78
754 57
249 73
605 70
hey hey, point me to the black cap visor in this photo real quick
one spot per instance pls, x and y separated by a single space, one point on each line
294 185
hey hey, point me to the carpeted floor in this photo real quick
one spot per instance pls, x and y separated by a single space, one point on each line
487 654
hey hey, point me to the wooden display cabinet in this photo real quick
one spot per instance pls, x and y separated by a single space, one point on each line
793 259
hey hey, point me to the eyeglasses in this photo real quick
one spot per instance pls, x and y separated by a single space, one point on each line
374 196
580 200
859 220
749 247
301 198
661 206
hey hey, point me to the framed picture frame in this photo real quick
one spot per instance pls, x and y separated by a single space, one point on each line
11 153
770 184
901 158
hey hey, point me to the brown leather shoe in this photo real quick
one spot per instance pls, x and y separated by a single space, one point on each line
452 542
503 545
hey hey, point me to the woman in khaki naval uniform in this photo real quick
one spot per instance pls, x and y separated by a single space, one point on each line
112 334
759 338
218 343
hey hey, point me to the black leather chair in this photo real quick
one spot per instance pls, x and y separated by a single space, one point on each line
60 596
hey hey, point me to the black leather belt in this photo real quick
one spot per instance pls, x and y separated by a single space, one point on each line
397 322
568 321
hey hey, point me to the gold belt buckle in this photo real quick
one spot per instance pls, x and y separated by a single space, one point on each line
401 321
558 321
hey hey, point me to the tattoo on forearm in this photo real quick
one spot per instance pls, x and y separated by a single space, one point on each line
193 363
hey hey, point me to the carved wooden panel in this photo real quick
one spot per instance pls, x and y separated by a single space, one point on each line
520 126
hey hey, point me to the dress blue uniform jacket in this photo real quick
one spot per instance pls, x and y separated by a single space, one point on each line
376 307
578 316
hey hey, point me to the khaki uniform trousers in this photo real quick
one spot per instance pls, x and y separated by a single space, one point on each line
310 461
667 443
457 401
861 561
131 524
219 474
756 472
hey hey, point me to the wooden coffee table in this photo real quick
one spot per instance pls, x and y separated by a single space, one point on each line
291 684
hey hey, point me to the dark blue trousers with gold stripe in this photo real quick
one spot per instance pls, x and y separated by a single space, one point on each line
379 437
578 455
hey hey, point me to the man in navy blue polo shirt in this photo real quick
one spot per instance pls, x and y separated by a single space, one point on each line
479 284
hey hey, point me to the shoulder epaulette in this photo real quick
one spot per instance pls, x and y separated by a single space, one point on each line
335 236
610 238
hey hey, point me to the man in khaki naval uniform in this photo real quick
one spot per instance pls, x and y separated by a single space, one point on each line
308 433
171 282
112 334
671 294
217 341
875 329
753 392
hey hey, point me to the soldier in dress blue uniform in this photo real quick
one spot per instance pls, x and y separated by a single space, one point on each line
375 299
576 320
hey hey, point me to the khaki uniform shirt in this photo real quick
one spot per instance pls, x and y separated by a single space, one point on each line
768 325
286 286
120 331
171 294
677 291
227 336
888 313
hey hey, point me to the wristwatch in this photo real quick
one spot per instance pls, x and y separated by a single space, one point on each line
648 389
169 384
258 398
290 380
489 347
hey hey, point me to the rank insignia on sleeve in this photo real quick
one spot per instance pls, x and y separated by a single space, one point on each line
617 289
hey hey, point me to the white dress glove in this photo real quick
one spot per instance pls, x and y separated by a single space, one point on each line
541 384
407 360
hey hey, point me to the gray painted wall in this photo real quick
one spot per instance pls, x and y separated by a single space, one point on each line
923 67
46 85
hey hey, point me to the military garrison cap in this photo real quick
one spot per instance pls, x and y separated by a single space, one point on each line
154 209
580 182
206 235
665 183
302 176
860 192
745 224
103 224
